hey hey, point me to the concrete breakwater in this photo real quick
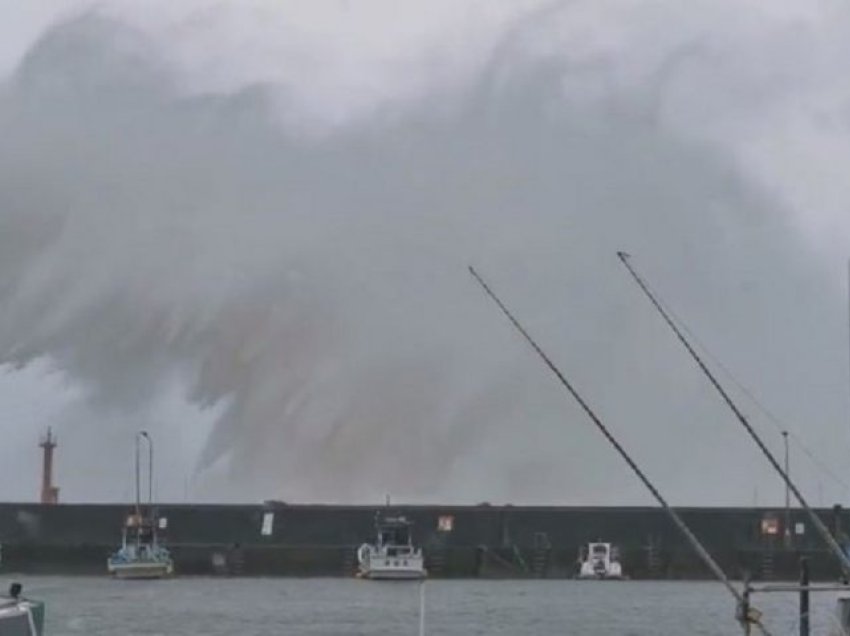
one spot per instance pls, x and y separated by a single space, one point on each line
276 539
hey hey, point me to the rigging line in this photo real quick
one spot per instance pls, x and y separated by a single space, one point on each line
817 462
674 516
780 426
769 415
816 521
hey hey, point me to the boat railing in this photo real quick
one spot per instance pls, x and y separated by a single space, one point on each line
399 549
395 561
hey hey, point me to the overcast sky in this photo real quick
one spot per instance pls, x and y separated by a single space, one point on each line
246 228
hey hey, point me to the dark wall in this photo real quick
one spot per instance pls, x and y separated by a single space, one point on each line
494 526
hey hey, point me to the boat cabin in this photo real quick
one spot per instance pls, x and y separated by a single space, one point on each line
395 533
393 555
600 561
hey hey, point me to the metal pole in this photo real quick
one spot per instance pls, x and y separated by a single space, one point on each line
138 518
150 475
150 483
422 608
816 521
150 470
744 607
804 597
746 616
138 478
787 493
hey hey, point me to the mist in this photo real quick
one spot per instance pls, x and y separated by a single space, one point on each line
247 230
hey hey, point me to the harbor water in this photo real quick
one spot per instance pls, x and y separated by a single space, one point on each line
98 606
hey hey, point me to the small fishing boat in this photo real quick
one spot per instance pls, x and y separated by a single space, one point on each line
393 556
600 561
141 556
20 616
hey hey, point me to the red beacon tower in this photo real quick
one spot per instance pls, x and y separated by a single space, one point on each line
49 492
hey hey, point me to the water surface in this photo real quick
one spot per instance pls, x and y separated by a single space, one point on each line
330 607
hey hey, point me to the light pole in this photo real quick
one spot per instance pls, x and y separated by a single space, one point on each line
150 469
787 492
138 487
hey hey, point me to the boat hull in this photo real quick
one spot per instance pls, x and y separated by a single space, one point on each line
393 574
604 577
150 570
21 617
390 563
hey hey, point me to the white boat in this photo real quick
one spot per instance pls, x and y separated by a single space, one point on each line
393 556
600 561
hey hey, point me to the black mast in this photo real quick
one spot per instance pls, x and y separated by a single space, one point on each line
816 521
748 616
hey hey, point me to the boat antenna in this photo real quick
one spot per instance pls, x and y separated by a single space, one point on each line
749 615
816 521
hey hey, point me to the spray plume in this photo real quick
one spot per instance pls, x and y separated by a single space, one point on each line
252 225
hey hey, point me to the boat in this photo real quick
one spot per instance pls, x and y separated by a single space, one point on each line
393 556
600 561
141 555
20 616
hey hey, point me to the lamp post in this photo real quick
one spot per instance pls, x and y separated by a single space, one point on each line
150 469
787 492
138 487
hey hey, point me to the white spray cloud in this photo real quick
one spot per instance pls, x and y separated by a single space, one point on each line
268 213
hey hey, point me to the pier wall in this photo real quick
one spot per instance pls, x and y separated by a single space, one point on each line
276 539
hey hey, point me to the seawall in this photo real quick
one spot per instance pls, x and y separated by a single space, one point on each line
276 539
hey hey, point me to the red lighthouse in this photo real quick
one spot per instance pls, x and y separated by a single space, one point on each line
49 492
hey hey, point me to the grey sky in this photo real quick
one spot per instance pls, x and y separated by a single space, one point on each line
247 229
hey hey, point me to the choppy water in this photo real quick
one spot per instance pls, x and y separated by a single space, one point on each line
329 607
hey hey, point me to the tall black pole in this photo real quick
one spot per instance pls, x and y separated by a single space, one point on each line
746 616
804 597
830 541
